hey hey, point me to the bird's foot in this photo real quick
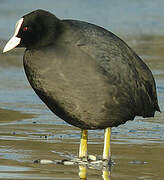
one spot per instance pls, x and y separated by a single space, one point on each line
90 161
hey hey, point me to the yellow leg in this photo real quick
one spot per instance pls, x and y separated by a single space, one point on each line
107 148
83 144
82 172
106 173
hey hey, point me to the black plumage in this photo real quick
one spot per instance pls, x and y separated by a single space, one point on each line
85 74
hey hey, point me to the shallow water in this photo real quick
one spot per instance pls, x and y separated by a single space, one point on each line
29 131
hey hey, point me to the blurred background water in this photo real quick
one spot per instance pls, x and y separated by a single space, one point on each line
29 131
127 16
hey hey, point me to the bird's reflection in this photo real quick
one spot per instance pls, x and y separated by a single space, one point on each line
83 172
106 172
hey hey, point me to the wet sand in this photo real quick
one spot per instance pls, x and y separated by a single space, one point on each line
29 131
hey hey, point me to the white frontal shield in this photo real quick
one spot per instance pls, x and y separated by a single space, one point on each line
14 41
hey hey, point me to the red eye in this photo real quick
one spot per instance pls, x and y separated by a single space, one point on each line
25 28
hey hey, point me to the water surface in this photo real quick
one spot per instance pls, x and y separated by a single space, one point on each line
29 131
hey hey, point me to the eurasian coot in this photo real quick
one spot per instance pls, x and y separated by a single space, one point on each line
85 74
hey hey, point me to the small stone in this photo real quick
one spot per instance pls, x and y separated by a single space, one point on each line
43 161
92 158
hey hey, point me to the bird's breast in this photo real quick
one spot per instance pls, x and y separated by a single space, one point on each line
72 81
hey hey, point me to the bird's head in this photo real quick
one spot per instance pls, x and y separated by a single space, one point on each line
33 30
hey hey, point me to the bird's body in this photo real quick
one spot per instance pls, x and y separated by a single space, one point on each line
90 78
85 74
